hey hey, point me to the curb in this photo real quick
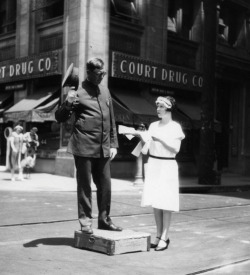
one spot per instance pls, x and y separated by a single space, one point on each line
211 189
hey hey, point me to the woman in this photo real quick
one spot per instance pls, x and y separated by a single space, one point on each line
161 186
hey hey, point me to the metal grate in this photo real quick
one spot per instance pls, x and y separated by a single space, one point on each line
50 43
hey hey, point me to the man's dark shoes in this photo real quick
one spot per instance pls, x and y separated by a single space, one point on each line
86 229
104 225
158 248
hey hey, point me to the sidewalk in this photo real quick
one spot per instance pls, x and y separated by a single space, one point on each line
45 182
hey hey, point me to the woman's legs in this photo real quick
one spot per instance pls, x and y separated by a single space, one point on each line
165 228
163 220
158 213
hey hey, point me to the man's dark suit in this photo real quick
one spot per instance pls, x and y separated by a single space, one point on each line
94 133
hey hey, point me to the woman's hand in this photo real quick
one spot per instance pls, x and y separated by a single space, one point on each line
155 138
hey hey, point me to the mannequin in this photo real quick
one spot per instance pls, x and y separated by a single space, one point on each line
16 142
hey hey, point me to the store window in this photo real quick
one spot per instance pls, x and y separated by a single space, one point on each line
180 17
7 16
124 9
7 53
184 32
49 138
232 24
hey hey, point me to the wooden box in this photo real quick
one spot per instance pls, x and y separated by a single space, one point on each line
113 242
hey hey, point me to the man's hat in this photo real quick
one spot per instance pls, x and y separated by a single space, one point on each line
34 129
71 78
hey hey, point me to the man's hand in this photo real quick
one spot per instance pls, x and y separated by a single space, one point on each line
72 96
113 152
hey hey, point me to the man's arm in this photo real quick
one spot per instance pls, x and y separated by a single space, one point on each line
113 131
64 112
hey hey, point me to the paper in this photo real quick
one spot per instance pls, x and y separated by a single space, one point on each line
137 150
141 148
145 136
127 131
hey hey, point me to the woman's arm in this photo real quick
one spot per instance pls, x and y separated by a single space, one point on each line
171 144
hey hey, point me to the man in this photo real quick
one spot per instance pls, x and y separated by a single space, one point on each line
93 143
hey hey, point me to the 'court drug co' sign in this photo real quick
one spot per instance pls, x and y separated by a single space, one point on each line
137 69
44 64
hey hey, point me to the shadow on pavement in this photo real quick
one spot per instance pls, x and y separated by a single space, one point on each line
51 241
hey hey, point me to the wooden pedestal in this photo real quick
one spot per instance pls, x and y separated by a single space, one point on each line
113 242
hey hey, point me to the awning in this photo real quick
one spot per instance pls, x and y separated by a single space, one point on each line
122 115
35 108
142 110
45 112
191 111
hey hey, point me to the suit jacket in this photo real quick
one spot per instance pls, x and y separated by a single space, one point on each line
94 129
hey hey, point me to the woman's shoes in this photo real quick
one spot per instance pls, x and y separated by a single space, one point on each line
154 245
159 248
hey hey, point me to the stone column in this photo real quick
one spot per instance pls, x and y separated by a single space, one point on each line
22 28
139 179
86 35
206 158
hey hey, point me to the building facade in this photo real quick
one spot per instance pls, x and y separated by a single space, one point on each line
196 51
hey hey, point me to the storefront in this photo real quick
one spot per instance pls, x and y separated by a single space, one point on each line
135 83
34 83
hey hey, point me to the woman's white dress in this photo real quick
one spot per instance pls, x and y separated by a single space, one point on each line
161 186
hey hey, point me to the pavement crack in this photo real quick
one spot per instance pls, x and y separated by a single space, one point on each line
35 223
218 267
214 208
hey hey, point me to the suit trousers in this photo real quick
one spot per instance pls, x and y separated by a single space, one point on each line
97 169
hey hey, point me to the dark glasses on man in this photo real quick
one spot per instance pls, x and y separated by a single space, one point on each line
100 73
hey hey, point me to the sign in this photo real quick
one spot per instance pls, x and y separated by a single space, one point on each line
30 116
163 92
14 87
138 69
44 64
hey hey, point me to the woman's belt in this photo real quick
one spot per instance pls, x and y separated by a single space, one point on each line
161 157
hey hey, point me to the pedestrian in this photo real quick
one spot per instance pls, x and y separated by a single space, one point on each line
93 143
29 150
162 142
16 142
31 142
